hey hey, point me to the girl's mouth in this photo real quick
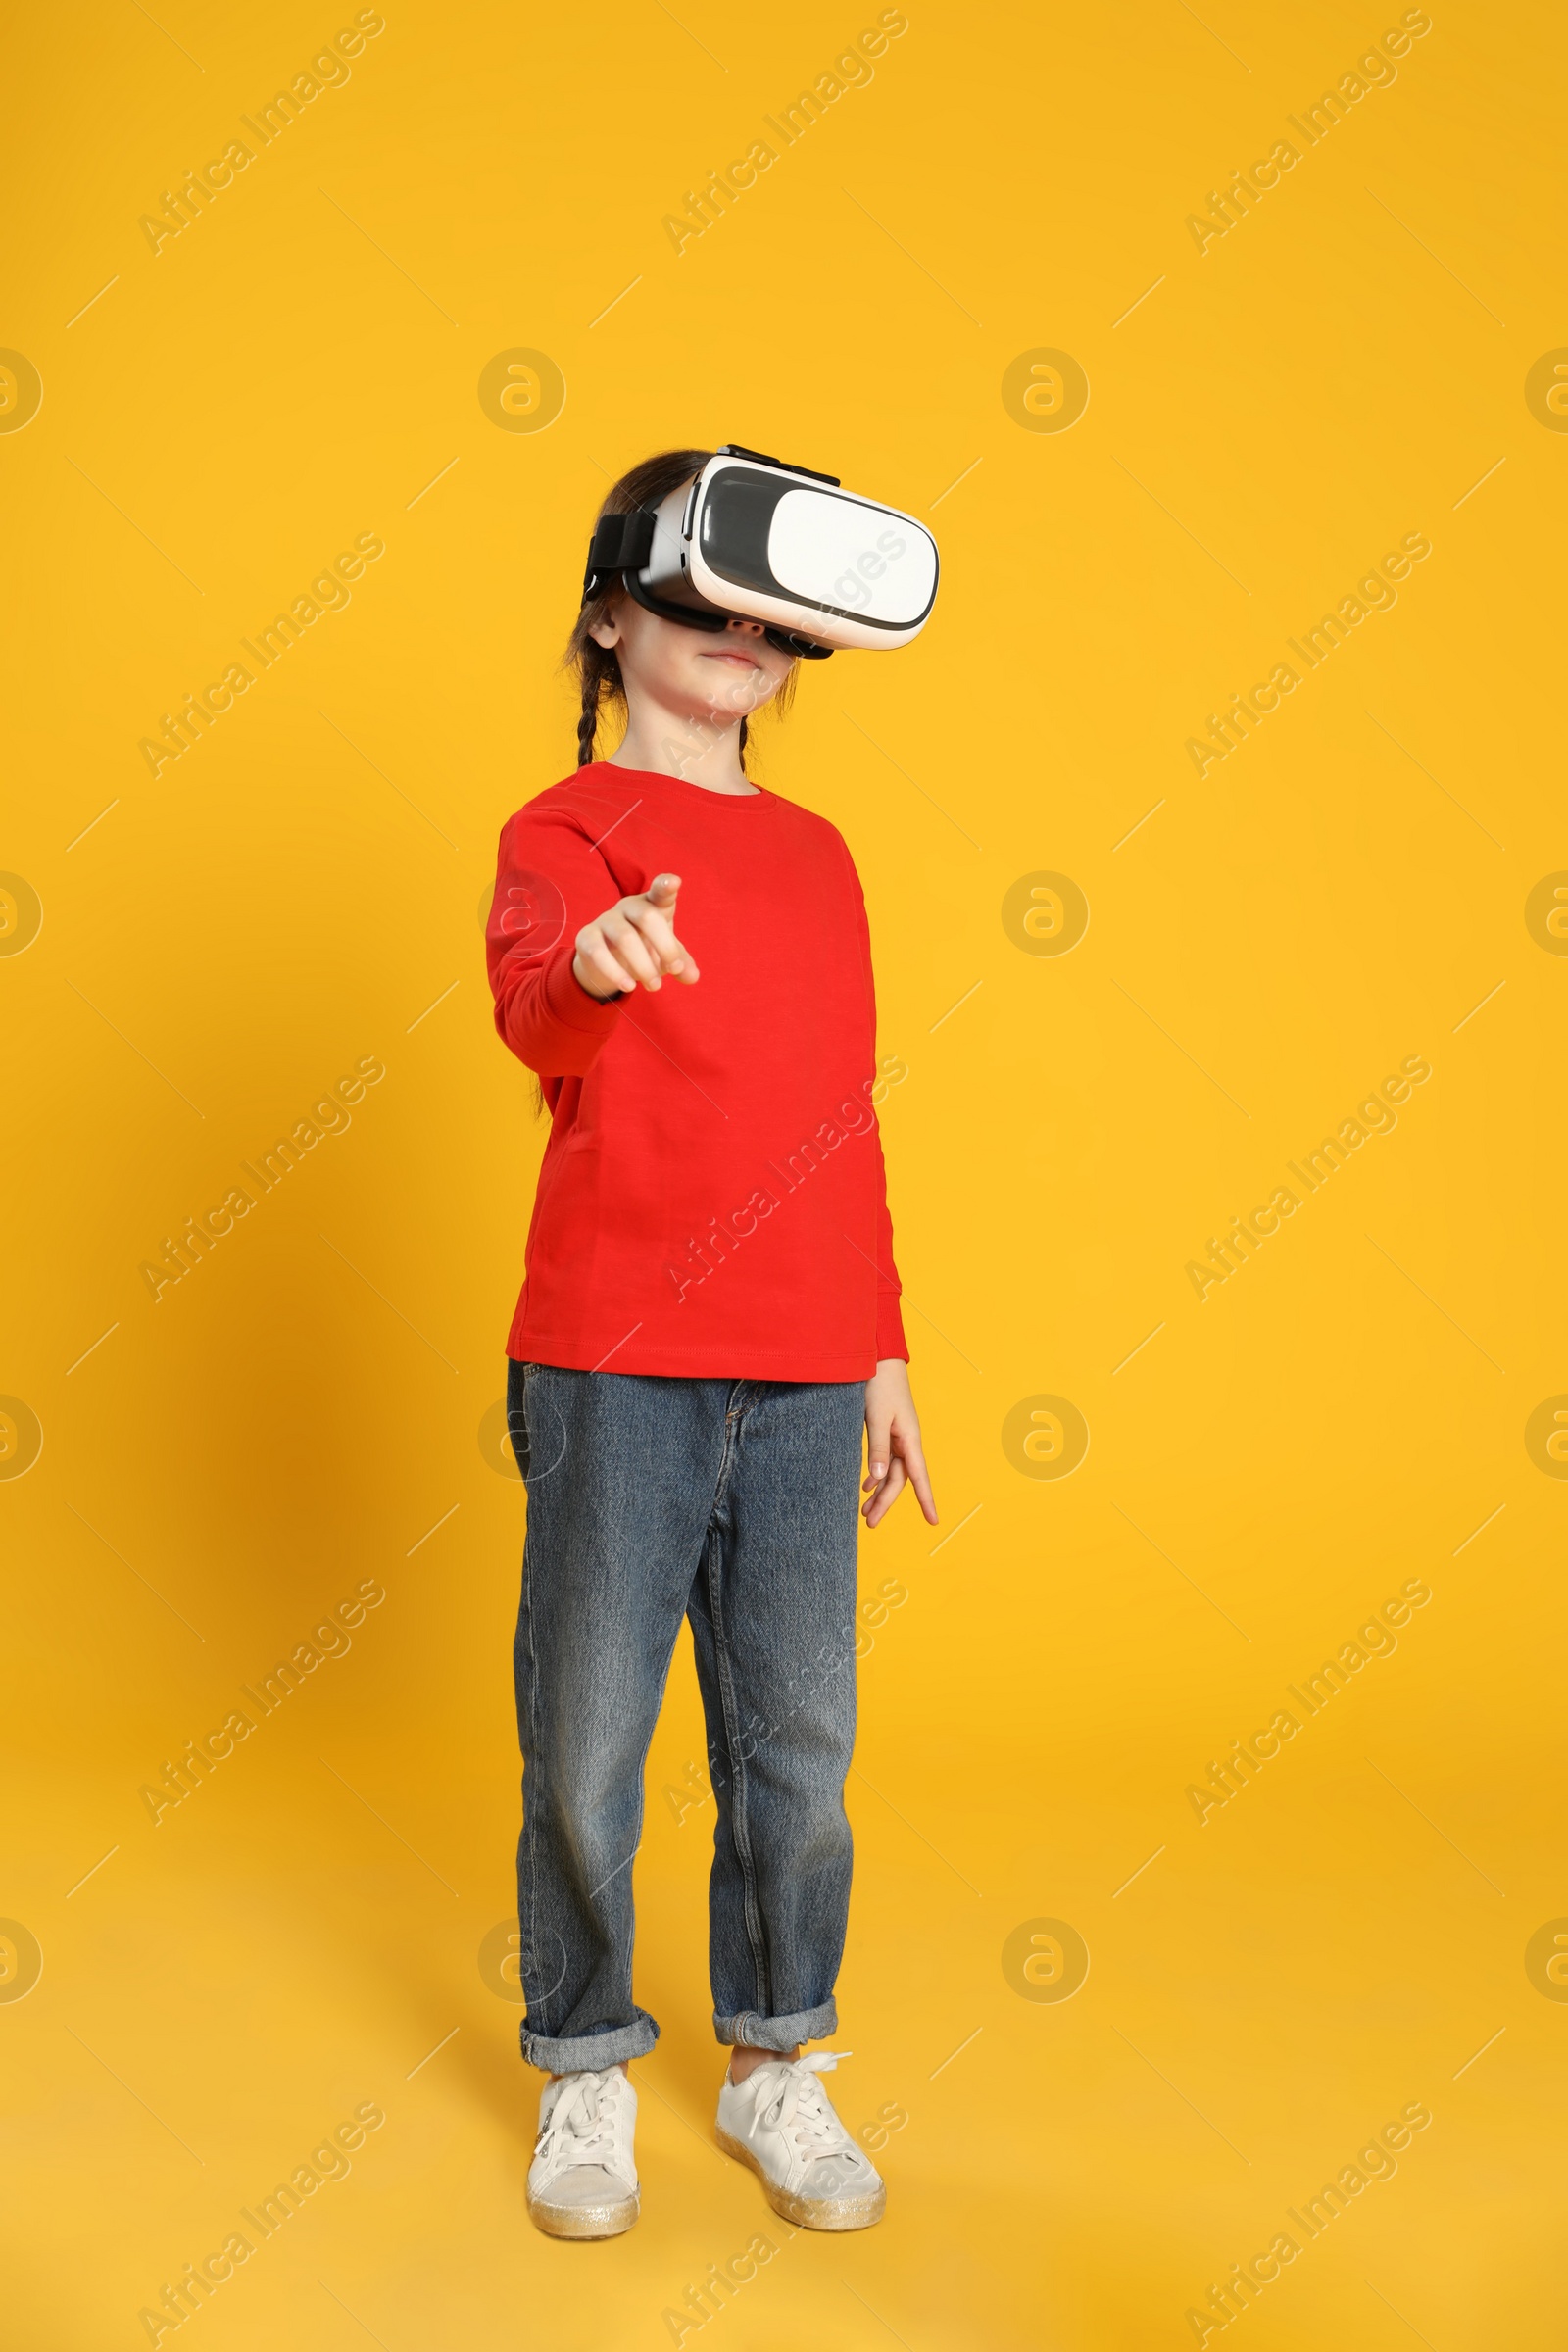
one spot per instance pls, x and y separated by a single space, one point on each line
745 660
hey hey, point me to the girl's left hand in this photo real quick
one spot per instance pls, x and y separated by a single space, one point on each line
893 1459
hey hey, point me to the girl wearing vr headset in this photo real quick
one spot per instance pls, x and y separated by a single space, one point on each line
709 1320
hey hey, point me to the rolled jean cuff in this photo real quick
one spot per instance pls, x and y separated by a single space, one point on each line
749 2031
589 2053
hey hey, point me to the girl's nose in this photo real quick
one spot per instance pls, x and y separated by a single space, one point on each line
746 628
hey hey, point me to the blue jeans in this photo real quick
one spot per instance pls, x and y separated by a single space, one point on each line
731 1502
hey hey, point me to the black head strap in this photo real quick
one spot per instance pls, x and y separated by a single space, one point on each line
622 545
619 541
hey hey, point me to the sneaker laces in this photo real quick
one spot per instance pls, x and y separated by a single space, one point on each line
580 2128
801 2107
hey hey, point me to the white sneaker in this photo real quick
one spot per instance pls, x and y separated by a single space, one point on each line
780 2121
583 2178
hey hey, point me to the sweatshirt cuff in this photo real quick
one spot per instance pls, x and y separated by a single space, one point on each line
889 1339
567 1002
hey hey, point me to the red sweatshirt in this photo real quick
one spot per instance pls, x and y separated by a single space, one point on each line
711 1202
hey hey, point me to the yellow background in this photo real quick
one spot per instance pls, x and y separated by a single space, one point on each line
298 890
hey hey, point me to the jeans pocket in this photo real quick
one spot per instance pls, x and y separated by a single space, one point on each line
518 1412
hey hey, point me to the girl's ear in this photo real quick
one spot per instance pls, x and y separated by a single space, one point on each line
607 631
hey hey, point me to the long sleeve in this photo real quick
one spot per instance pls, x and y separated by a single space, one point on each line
889 1339
711 1202
549 880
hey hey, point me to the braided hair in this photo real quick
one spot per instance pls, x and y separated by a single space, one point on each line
596 666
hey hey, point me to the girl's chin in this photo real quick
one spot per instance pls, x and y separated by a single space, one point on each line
728 713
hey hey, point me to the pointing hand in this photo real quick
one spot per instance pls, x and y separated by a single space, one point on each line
633 944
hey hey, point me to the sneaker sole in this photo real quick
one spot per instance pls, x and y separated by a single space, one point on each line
584 2221
809 2213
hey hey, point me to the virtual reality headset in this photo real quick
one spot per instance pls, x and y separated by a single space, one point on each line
753 539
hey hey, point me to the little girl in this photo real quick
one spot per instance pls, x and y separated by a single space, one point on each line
709 1319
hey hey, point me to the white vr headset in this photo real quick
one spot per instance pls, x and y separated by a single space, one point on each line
753 539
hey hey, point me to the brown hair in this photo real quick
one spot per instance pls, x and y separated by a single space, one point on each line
597 668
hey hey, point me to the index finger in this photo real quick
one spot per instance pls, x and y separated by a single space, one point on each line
920 1478
652 925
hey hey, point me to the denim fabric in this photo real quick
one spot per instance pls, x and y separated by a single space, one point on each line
731 1502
